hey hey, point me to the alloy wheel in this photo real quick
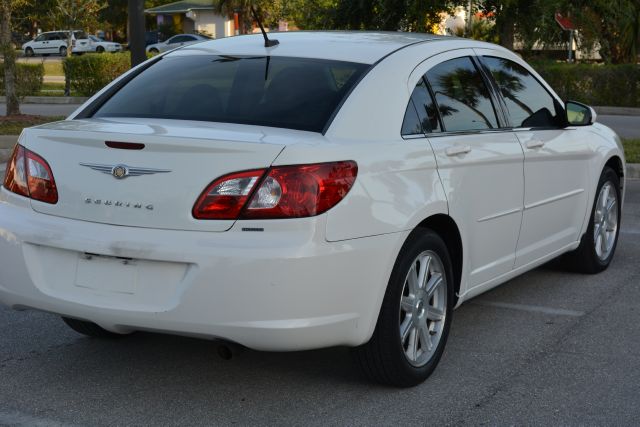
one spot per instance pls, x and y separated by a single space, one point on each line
423 308
605 221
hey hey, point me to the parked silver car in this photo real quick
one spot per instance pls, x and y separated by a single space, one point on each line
174 42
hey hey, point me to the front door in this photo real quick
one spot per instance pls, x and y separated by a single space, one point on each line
555 172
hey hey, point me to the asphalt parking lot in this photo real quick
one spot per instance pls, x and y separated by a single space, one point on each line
548 348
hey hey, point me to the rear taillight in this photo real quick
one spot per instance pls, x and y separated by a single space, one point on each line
280 192
30 175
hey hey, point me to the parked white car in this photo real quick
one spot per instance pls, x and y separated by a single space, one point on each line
94 44
175 42
52 42
336 189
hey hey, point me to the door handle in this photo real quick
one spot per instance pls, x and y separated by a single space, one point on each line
457 149
535 143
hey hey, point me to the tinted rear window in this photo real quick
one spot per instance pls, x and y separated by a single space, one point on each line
294 93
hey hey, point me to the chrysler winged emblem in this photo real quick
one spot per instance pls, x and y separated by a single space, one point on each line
122 171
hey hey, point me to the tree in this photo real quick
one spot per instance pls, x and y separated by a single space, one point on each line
9 55
614 24
76 15
269 11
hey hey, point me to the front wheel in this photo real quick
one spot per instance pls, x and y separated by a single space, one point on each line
415 317
601 239
154 51
29 52
100 49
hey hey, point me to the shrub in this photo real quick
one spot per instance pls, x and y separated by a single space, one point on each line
91 72
594 84
28 79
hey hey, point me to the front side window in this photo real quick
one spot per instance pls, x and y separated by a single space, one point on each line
528 102
41 38
293 93
462 96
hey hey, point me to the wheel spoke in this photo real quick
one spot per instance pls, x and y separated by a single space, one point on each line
412 280
604 194
434 283
596 231
425 339
435 314
611 203
603 240
425 262
406 328
413 344
407 303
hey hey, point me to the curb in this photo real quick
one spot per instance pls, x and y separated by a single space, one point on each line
50 100
617 111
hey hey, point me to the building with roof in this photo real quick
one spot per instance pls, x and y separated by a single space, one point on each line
194 16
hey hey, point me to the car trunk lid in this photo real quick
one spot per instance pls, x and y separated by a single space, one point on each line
163 180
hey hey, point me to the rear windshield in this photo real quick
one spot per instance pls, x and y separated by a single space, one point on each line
293 93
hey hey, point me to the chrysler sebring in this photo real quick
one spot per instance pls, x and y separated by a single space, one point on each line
333 189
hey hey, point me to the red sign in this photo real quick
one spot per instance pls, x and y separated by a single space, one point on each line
565 23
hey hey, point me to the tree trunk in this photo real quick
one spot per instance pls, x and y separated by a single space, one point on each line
67 81
136 32
506 25
9 53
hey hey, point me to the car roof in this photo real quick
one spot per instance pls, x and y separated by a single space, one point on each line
353 46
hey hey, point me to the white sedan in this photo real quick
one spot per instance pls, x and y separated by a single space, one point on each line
94 44
175 42
335 189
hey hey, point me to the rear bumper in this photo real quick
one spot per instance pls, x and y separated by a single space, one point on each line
285 288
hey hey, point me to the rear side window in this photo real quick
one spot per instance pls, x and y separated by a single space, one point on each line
528 102
294 93
462 96
421 115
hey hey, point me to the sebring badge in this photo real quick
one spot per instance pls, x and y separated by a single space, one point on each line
123 171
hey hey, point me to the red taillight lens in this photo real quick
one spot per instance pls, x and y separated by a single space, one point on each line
30 175
225 197
302 190
285 192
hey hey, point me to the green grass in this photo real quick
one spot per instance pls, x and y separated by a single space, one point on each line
53 68
631 150
13 125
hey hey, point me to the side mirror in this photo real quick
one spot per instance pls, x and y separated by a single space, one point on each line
579 114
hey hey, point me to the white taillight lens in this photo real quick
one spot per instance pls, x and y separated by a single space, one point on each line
15 178
29 175
226 196
268 195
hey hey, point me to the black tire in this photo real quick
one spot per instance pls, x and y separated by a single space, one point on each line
154 51
63 51
99 49
383 358
28 52
89 329
585 259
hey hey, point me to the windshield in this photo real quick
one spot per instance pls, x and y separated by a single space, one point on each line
95 39
293 93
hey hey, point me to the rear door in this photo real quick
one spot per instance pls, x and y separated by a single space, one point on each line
555 166
480 164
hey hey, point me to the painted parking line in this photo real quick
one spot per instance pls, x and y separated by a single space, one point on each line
531 308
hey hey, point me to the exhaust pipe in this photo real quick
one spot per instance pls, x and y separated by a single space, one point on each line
229 350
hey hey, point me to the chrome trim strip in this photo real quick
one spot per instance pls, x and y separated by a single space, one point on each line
500 214
554 199
130 170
